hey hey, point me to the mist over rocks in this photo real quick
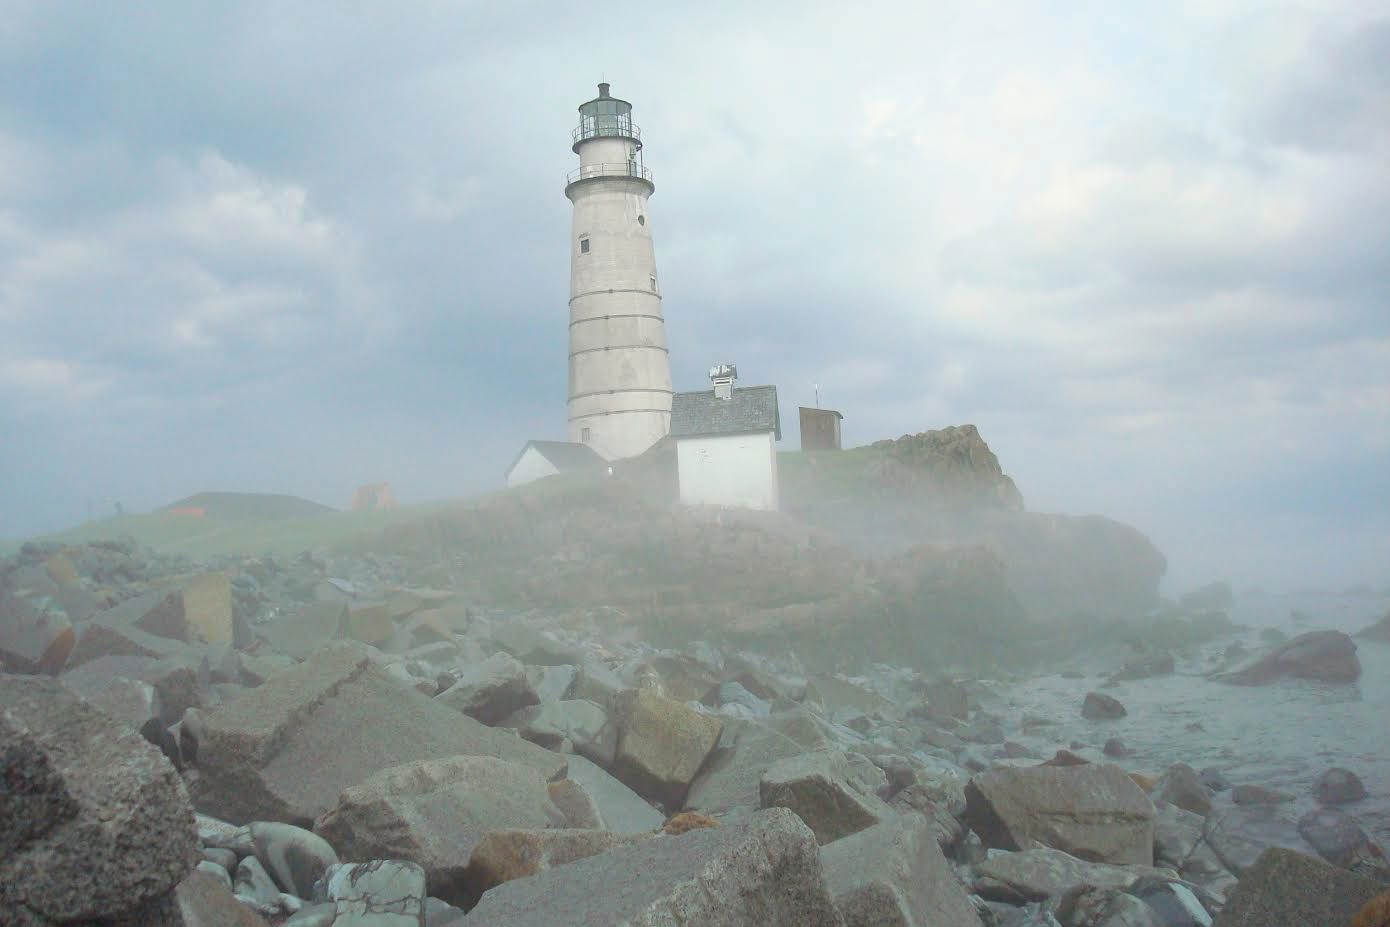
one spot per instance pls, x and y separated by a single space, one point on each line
548 674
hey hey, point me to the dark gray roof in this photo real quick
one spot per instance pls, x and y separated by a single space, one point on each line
751 409
565 455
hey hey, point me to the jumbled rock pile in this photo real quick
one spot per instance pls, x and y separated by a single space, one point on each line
412 760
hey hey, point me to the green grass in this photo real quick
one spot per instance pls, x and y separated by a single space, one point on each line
210 536
823 474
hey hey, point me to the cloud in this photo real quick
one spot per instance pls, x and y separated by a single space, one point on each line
1143 252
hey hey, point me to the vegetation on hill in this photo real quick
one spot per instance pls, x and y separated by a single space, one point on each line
918 546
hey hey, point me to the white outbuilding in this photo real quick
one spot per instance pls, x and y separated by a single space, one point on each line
726 443
539 459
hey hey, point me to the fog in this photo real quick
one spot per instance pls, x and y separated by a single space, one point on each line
245 248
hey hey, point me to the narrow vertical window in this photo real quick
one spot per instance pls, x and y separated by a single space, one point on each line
652 278
584 435
583 246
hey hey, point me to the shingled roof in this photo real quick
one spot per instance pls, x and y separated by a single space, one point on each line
564 455
749 410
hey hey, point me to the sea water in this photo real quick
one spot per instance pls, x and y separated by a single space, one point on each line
1281 735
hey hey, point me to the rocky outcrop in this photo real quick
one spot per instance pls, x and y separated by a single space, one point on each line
1284 887
952 468
1324 656
286 750
1093 812
753 873
97 822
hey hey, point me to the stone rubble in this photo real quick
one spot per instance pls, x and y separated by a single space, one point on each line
342 741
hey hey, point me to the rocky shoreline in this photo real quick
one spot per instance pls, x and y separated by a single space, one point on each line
328 741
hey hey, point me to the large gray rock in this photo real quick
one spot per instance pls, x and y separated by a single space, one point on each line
1088 906
96 822
503 855
552 683
1239 835
599 684
434 812
254 886
133 702
1093 811
1338 786
1178 905
1033 875
893 875
1326 656
491 690
620 809
300 633
206 901
729 780
1176 833
757 872
149 625
379 893
180 681
802 726
581 722
296 858
815 786
286 750
662 743
36 636
1097 706
1181 786
1341 841
1285 888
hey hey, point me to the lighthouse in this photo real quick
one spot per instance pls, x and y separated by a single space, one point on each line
619 366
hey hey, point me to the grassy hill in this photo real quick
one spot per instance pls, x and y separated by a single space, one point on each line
243 533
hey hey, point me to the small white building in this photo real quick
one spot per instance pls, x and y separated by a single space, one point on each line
726 443
539 459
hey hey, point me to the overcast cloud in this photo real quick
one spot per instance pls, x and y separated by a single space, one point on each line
298 247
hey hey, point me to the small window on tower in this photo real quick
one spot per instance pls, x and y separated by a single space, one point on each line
584 435
583 246
652 278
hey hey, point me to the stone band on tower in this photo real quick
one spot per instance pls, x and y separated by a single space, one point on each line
619 366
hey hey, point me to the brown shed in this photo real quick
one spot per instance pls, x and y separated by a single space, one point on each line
820 429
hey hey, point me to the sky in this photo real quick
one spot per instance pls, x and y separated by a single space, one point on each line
295 248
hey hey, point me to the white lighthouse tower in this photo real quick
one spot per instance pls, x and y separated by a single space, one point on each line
619 367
